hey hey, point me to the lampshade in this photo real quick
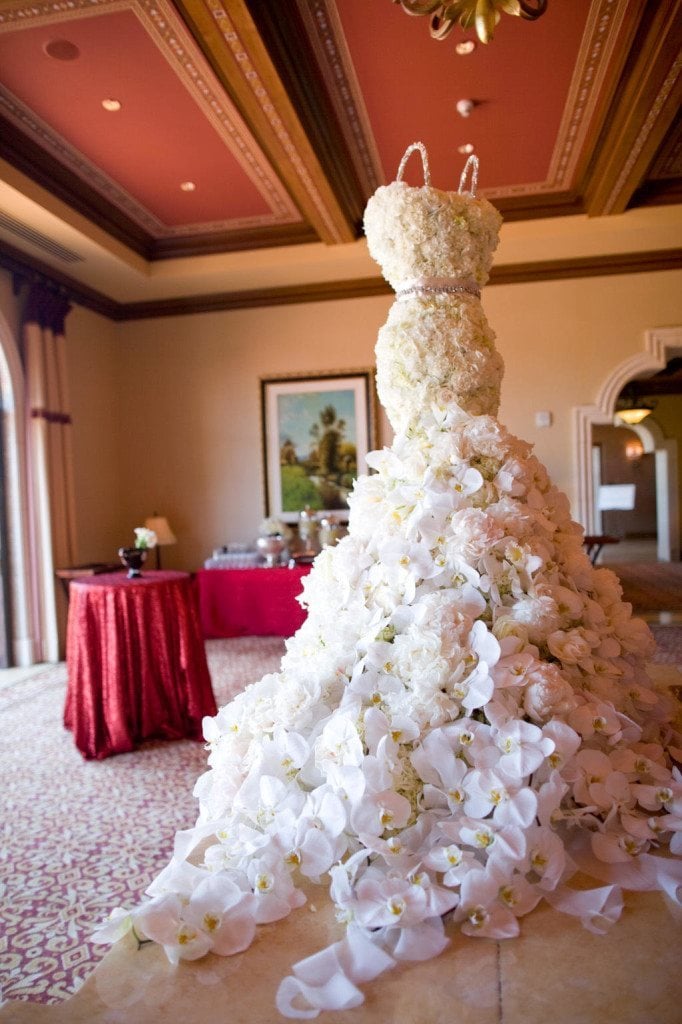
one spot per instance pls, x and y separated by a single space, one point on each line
631 408
633 415
164 534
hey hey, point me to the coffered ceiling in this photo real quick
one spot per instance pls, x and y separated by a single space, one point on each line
220 152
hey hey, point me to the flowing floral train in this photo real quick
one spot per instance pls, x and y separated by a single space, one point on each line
464 720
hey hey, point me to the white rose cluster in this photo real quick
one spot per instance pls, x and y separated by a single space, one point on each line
437 349
464 716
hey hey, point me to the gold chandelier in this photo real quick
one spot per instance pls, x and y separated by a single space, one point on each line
481 15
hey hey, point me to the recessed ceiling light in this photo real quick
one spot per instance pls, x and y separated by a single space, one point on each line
187 186
466 46
62 49
466 148
111 105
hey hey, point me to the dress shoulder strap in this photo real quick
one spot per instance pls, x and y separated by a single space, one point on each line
472 163
425 161
470 167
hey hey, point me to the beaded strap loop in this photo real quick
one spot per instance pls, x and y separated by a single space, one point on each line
470 165
425 161
473 163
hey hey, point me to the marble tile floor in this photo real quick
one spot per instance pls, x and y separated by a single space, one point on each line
556 972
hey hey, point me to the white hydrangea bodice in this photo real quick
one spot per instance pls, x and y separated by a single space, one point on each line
425 232
436 348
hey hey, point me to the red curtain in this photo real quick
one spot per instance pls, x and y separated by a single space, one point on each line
51 511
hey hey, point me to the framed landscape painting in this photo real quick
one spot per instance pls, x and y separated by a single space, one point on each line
316 435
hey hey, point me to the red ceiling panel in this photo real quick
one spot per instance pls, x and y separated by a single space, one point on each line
158 139
411 84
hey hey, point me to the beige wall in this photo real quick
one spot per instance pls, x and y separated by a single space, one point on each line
189 407
167 415
562 339
167 411
95 369
9 307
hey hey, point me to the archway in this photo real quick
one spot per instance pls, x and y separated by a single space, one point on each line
660 346
22 648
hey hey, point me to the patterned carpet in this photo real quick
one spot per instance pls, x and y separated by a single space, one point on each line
81 837
65 864
651 586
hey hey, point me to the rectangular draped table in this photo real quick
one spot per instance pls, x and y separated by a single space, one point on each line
251 602
136 662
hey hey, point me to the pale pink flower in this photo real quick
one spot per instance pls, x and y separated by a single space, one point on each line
547 693
596 719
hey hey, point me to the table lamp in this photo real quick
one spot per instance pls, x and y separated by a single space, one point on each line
164 534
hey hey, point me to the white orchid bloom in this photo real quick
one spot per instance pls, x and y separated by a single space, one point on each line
492 842
523 748
545 857
162 921
391 901
488 793
118 923
379 812
515 891
224 912
313 840
661 797
445 775
480 910
399 729
453 862
596 719
275 893
261 797
339 742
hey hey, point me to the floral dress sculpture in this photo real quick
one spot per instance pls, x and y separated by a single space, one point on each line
464 720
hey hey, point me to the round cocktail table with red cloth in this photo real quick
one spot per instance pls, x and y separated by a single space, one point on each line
136 662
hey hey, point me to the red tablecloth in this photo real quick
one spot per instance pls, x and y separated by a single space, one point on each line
136 662
251 602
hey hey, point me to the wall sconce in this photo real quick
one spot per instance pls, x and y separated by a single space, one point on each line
634 414
164 534
634 449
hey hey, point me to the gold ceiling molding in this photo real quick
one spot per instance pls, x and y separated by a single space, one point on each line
323 25
480 15
169 35
652 118
232 42
19 263
644 112
607 22
591 86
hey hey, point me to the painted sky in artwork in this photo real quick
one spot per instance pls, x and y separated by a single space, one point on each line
297 412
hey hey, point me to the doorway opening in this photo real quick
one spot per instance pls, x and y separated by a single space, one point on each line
663 500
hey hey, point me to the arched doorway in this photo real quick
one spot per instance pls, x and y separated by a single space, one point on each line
21 645
661 345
